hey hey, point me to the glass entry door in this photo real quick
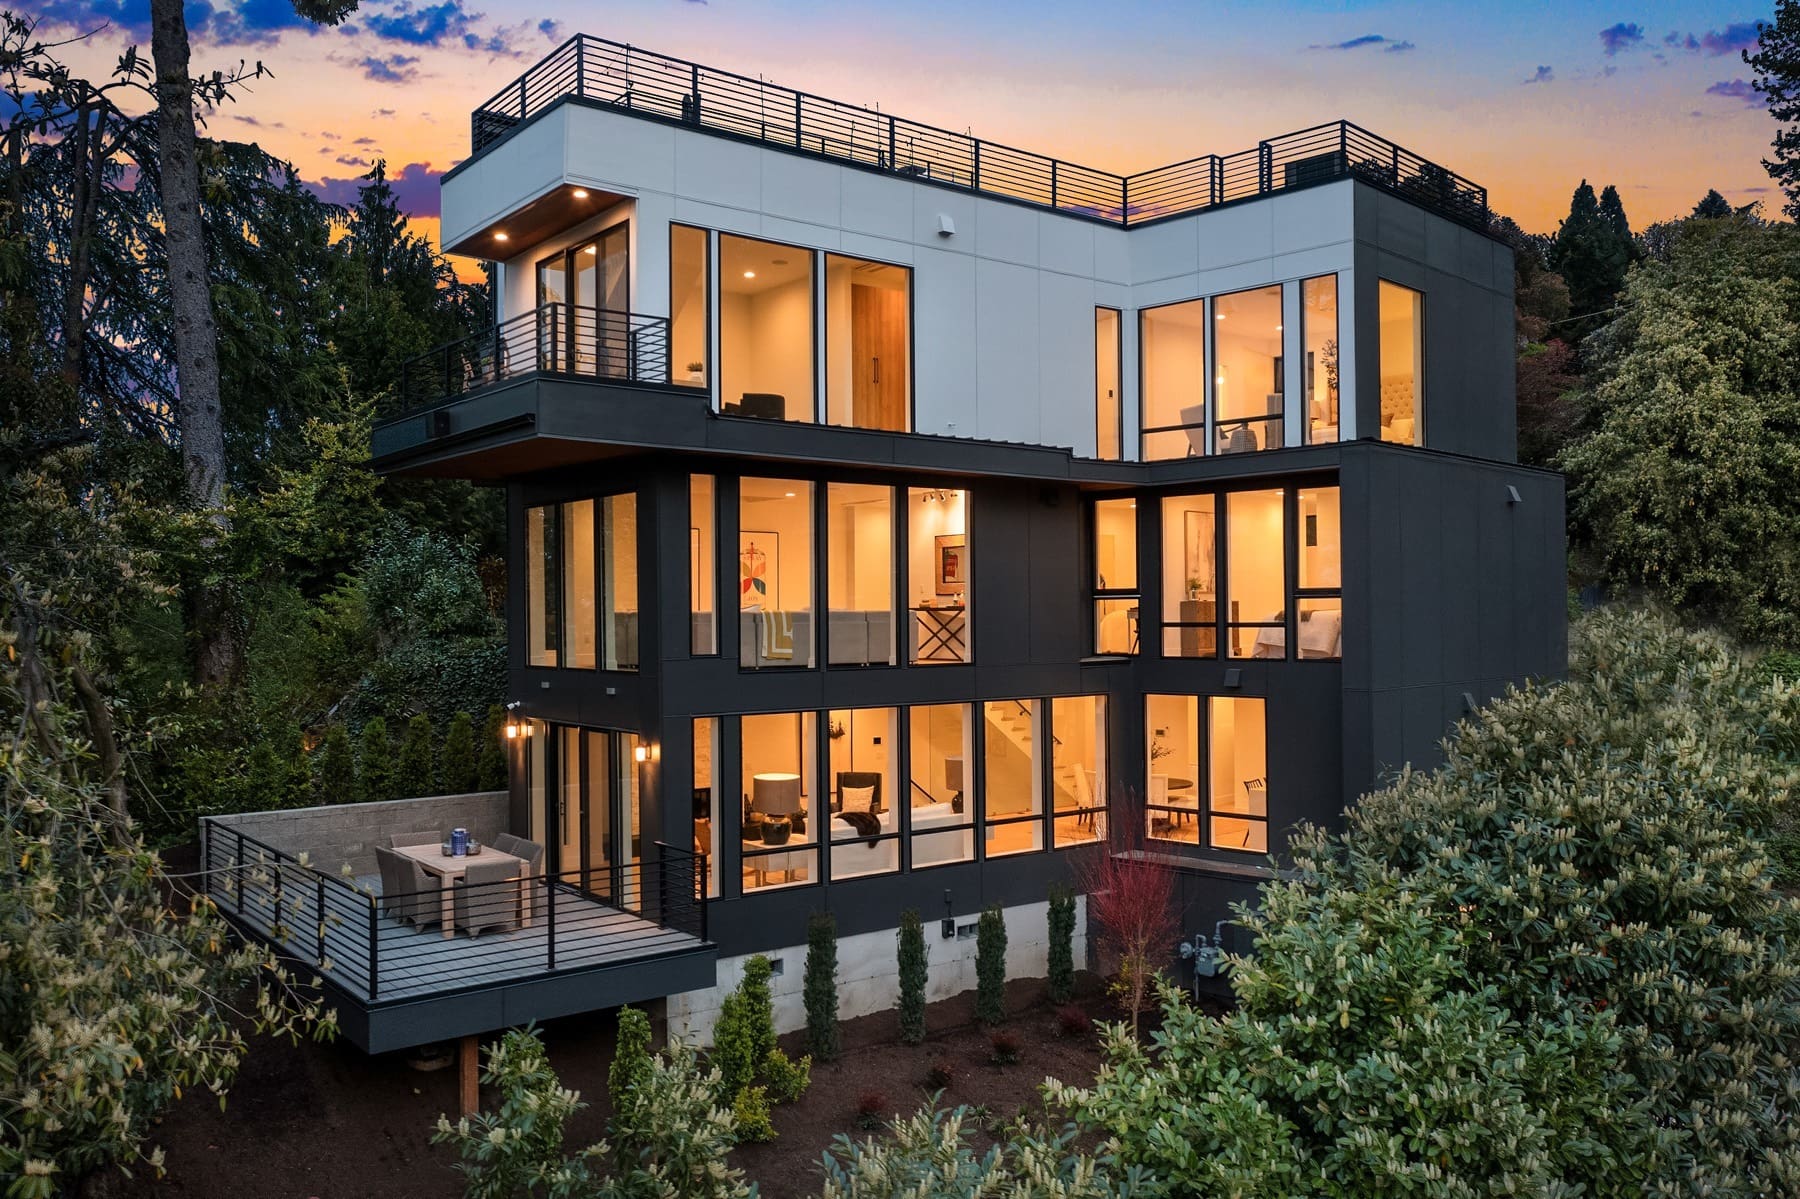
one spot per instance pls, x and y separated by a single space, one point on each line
589 290
598 820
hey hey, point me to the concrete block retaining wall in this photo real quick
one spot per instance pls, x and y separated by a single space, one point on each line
335 834
869 971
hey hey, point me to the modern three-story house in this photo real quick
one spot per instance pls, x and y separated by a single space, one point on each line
888 508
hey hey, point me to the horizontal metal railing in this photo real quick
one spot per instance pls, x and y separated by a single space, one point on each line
557 338
361 941
673 89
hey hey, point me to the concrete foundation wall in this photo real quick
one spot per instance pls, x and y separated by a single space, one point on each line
868 971
335 834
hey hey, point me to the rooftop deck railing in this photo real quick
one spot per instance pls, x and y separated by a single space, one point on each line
660 87
356 938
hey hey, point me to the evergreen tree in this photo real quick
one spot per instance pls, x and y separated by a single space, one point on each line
490 763
276 772
631 1059
820 988
1591 252
1713 206
1061 969
1777 66
912 977
335 779
375 764
417 770
459 755
990 966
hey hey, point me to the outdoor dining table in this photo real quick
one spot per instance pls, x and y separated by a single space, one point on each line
449 869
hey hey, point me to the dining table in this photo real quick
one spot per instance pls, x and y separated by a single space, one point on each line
448 870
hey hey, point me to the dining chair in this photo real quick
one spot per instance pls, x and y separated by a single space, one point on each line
396 879
396 840
483 898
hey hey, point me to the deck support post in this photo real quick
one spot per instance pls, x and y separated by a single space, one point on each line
468 1069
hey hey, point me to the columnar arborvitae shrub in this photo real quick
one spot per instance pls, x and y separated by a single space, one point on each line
375 763
990 966
276 773
1061 967
416 772
459 756
912 977
820 988
631 1058
334 779
490 757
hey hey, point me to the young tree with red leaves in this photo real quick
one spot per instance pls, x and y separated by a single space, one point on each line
1131 898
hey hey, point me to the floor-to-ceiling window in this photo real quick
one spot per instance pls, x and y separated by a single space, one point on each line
775 573
1255 573
859 562
1238 794
707 820
1109 415
868 344
1078 769
1012 791
865 823
543 586
1319 590
703 568
584 293
766 332
1172 347
1319 363
940 778
1172 759
1248 380
688 329
939 569
1190 610
780 793
579 583
1115 577
621 590
1402 312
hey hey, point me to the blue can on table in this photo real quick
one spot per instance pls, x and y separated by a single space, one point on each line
459 842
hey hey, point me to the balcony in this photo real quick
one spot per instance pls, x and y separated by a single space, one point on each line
612 75
401 969
559 339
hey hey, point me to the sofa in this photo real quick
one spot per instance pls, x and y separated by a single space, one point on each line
753 648
944 847
859 638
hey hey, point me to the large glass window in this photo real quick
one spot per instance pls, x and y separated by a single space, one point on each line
687 306
765 329
706 815
621 558
1402 363
1238 794
703 570
1248 379
939 780
543 586
1172 344
775 573
1172 761
579 578
868 344
781 800
1319 364
859 557
1078 779
587 287
1319 603
1190 576
1012 794
939 570
1108 402
1115 577
865 825
1255 573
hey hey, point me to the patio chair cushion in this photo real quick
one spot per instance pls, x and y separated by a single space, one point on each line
483 899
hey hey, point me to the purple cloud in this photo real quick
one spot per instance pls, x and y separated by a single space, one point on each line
395 68
1715 43
550 29
1543 75
1367 39
350 160
246 22
435 25
1623 36
1737 89
363 141
415 189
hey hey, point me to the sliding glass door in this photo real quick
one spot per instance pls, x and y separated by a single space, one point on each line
597 821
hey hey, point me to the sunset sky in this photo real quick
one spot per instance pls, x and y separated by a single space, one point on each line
1525 98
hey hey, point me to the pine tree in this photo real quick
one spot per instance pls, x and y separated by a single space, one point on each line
820 989
414 775
1061 968
912 977
490 762
1713 206
334 781
1592 250
459 755
1777 66
990 967
375 764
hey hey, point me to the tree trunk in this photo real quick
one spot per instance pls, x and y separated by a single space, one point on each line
196 335
106 744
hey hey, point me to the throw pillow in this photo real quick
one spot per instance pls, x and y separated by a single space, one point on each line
859 799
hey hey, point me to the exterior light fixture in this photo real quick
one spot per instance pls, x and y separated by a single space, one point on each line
515 727
641 753
500 235
581 193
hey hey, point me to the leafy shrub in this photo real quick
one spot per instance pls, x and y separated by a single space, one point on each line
276 774
819 989
744 1036
1073 1021
1061 966
458 761
416 772
490 762
940 1074
631 1058
990 966
871 1109
750 1110
375 764
1005 1049
912 978
334 780
928 1154
788 1079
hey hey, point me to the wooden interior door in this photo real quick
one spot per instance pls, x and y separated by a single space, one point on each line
878 358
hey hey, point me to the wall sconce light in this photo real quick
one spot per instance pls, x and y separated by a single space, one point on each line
515 727
641 753
1512 496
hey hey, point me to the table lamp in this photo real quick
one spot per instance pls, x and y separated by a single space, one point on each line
777 798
